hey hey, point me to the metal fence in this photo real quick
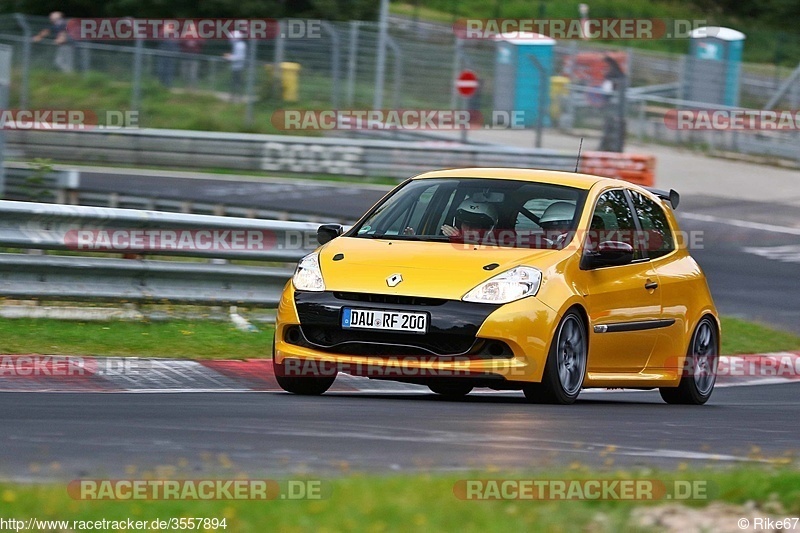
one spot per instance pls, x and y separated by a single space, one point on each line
338 70
649 117
89 276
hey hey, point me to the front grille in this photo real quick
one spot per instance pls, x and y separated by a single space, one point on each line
452 328
388 299
335 339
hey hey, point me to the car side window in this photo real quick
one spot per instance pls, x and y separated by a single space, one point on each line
612 220
657 233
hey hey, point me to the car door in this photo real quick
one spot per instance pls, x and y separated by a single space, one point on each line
623 302
674 273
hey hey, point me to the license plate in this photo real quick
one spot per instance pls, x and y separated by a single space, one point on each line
384 320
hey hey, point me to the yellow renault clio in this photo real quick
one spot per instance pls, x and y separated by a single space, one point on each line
512 279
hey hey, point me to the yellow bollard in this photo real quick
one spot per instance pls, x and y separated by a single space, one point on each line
290 81
558 90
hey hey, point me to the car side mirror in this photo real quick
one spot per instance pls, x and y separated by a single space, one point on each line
328 232
608 253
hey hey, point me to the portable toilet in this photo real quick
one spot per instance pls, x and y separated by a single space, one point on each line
518 80
713 66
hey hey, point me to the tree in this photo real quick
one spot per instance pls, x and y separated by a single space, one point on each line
324 9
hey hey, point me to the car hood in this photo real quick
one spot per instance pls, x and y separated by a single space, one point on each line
429 269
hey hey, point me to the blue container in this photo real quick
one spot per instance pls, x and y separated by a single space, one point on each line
518 83
714 66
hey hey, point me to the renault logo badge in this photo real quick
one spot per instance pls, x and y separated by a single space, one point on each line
393 280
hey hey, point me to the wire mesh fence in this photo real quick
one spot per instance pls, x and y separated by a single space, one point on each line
337 68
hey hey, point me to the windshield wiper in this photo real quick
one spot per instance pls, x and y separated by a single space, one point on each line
435 238
421 238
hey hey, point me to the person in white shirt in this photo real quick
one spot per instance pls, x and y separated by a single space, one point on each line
237 59
58 31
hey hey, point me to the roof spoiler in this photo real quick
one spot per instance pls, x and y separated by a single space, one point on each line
673 196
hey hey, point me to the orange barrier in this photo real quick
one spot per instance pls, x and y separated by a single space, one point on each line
635 168
590 68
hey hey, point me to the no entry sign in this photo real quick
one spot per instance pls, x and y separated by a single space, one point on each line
467 83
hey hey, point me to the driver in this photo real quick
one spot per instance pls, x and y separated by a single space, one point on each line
556 221
472 218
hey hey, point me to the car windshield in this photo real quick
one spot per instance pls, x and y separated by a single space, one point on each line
492 211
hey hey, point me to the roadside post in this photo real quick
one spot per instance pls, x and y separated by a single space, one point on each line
5 84
466 85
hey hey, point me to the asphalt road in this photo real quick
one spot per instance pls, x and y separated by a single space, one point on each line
743 283
68 436
750 252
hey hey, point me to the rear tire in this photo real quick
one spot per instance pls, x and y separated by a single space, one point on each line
452 391
700 369
566 364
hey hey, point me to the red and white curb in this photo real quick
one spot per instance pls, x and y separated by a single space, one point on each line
56 373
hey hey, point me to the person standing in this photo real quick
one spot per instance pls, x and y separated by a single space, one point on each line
64 49
614 86
165 61
237 58
191 45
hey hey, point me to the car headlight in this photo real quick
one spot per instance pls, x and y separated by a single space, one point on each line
506 287
308 276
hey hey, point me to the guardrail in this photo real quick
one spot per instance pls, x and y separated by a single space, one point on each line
286 153
37 227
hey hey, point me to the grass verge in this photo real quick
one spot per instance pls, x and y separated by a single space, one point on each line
160 107
220 340
742 336
174 338
429 503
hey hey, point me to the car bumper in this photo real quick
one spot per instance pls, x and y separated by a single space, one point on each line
495 343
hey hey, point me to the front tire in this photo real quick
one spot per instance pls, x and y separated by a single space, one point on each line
700 369
566 364
301 385
305 386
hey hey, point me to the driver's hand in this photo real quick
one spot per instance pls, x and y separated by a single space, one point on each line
559 241
450 231
554 240
408 231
